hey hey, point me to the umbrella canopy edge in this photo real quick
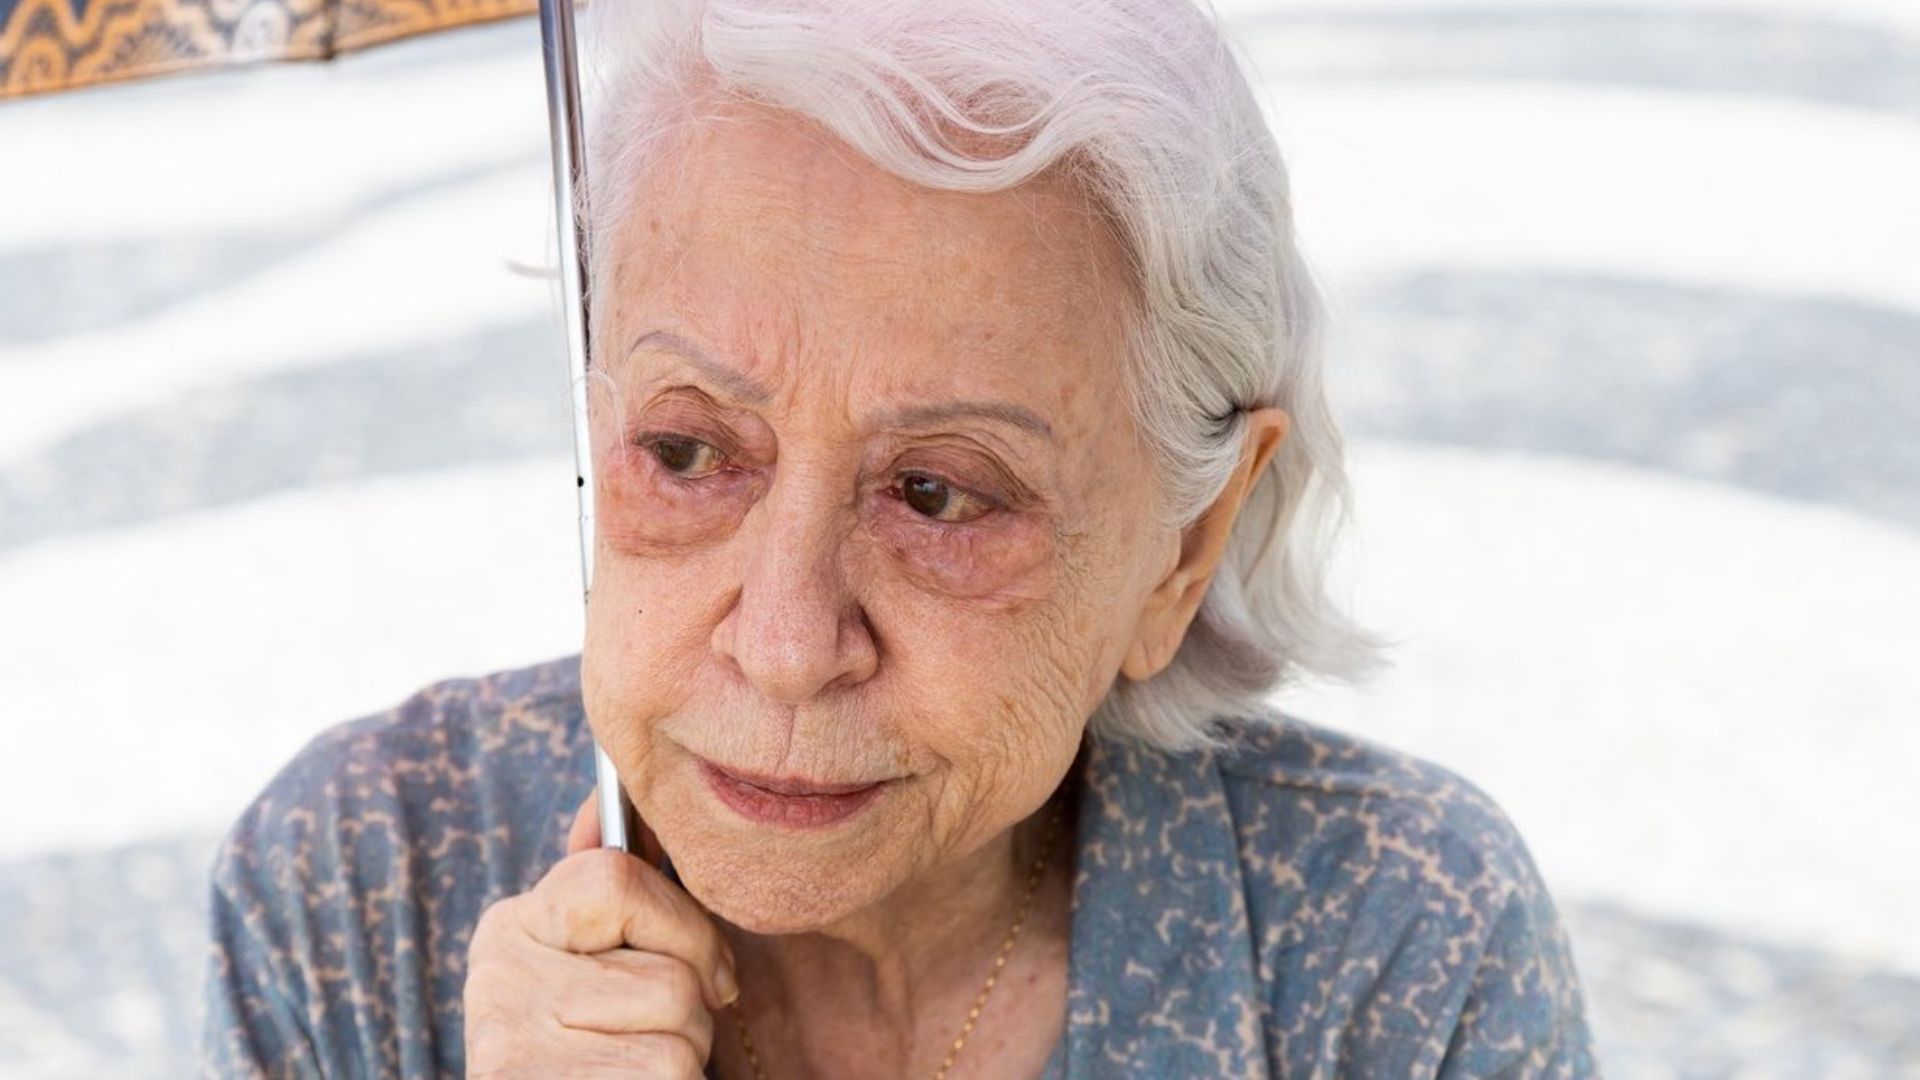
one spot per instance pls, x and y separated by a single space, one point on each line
54 45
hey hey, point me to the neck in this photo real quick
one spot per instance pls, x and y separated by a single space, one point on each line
891 983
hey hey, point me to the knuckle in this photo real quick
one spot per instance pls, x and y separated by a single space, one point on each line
606 869
699 1029
578 872
680 989
493 924
670 989
667 1056
582 896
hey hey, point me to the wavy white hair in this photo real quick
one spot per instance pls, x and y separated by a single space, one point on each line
1143 103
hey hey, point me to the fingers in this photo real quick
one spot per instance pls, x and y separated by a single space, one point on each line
604 968
621 1057
499 1045
532 1010
623 990
585 832
600 899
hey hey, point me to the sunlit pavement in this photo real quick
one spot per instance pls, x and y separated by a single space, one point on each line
1628 348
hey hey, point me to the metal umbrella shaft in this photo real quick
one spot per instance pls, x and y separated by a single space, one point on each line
619 823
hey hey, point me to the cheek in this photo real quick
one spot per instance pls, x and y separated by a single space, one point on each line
1057 656
643 509
1002 565
647 638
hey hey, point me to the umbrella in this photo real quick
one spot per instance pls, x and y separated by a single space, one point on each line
48 45
53 45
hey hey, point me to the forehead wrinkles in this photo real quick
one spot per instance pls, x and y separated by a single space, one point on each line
797 341
725 240
805 211
810 204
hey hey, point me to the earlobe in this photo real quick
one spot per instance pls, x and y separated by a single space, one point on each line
1140 662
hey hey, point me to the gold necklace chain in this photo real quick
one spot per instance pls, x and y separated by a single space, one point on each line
993 977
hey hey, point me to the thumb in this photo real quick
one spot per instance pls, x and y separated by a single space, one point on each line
584 834
585 831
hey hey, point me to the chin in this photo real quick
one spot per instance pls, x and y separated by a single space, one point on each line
763 898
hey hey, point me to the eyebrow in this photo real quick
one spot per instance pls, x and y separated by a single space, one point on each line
747 389
1005 412
740 386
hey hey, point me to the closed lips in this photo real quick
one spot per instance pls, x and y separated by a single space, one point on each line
787 785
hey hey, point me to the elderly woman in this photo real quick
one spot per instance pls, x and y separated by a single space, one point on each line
963 486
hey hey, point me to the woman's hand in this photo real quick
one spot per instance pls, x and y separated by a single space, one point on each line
604 968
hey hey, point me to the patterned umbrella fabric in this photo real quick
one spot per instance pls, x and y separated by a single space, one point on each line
51 45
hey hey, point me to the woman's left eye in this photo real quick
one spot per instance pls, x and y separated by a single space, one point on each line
685 458
933 497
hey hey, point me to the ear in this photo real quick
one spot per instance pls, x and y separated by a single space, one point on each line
1170 608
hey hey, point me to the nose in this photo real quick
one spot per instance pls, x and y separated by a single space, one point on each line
796 630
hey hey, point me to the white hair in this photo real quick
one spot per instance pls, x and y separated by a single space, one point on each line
1142 103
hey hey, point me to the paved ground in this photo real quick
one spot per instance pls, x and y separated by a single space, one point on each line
1628 345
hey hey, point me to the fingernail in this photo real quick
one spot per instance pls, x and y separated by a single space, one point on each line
729 987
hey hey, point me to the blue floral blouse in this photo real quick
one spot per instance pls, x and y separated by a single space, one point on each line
1303 904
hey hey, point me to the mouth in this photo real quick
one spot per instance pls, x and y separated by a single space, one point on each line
789 801
792 785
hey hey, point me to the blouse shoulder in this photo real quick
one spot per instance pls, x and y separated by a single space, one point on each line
1394 895
342 898
460 762
1351 788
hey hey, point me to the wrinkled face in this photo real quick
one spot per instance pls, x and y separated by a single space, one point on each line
870 507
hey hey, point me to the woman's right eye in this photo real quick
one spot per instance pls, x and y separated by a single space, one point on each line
685 458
